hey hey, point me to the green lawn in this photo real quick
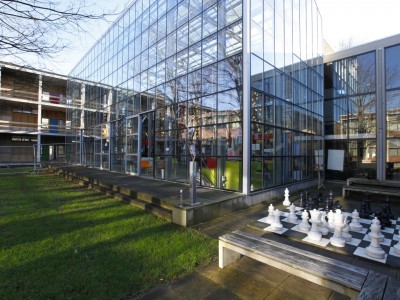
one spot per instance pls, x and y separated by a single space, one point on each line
59 240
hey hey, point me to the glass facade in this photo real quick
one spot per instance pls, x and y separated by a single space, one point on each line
286 92
350 114
165 86
362 99
392 91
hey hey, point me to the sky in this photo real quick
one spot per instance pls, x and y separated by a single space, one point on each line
344 21
359 21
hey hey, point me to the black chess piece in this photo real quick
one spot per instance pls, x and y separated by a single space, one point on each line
320 197
331 196
301 200
363 212
306 195
328 205
383 218
336 205
315 202
388 209
367 199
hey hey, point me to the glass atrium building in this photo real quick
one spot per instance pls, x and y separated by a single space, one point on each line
235 85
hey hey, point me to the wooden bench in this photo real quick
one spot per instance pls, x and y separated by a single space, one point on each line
363 185
336 275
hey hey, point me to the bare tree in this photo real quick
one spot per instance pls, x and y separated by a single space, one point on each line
39 26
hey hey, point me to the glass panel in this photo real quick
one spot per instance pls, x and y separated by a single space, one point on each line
229 106
195 7
209 53
210 19
209 110
195 30
209 82
392 62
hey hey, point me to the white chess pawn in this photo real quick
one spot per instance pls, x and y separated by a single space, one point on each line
304 225
323 225
286 202
292 218
315 219
355 221
374 249
270 218
277 225
345 231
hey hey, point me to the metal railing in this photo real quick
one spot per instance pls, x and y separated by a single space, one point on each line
25 127
28 159
17 159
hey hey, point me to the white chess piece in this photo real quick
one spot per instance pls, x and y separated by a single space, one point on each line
270 218
397 248
304 225
355 221
338 221
292 218
331 217
315 219
374 249
323 225
345 231
277 225
286 202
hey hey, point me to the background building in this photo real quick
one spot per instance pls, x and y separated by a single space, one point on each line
241 82
32 115
362 97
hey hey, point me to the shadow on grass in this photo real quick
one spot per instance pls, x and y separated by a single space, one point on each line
32 229
106 269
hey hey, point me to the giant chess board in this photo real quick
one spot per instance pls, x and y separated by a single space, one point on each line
357 246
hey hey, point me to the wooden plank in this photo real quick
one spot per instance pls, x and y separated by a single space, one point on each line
386 183
294 270
305 253
373 287
293 259
383 191
392 289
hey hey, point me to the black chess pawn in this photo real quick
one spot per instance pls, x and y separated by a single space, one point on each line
301 200
320 198
331 196
367 199
315 201
328 205
388 208
363 212
383 218
306 195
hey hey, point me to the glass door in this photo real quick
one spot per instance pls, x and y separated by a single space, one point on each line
147 163
133 141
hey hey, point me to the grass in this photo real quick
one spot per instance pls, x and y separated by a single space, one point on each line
61 241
